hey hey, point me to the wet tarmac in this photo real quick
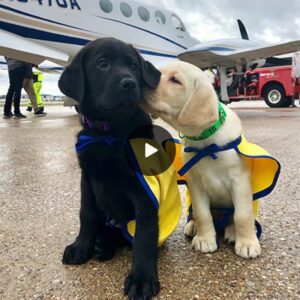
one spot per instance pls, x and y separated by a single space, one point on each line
39 204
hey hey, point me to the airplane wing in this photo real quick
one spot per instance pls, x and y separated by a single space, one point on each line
45 67
16 47
205 56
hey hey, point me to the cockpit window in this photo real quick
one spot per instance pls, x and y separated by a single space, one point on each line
177 23
160 17
106 6
126 9
144 13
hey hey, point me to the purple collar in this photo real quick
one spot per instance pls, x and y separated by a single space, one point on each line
104 126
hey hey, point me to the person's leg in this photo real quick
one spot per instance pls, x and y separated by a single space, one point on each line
10 93
37 89
18 82
28 87
29 106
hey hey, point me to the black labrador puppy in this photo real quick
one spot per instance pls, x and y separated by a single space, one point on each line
106 78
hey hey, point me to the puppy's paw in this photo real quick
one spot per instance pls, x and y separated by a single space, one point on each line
138 288
205 244
75 255
247 248
230 234
190 228
104 249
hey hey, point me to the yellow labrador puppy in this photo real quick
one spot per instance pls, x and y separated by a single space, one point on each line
185 99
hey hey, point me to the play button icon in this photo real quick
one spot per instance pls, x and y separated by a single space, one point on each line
149 150
146 150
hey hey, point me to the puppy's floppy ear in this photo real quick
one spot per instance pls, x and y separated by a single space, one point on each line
151 75
201 109
72 80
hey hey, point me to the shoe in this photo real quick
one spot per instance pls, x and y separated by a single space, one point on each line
19 116
29 108
40 113
41 108
8 115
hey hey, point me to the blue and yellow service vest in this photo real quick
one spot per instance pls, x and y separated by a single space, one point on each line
161 188
263 167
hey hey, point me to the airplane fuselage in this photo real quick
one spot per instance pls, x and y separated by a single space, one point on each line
68 25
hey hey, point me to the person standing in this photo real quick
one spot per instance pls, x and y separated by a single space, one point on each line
28 86
37 85
16 72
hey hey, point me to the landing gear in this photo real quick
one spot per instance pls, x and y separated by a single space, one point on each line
223 83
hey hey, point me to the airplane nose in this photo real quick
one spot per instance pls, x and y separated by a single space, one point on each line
128 84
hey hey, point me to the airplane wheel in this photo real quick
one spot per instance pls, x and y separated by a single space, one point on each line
274 96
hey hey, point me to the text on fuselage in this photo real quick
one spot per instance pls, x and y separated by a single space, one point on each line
73 4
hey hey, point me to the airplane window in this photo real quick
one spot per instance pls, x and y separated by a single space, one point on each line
144 13
160 17
126 9
177 23
106 6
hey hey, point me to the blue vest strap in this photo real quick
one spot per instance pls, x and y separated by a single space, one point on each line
210 150
86 140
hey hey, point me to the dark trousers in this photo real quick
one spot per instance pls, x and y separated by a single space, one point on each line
16 77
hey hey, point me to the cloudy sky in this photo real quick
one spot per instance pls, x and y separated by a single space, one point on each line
267 21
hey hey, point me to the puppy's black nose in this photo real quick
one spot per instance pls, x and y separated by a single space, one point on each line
127 84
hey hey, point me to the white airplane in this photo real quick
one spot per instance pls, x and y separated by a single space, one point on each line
55 30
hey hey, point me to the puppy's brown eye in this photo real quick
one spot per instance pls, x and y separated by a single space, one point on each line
103 63
175 80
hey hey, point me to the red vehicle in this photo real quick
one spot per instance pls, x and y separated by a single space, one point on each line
276 85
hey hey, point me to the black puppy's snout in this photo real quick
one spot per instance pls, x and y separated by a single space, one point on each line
128 84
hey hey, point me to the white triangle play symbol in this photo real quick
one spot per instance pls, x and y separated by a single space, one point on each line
149 150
